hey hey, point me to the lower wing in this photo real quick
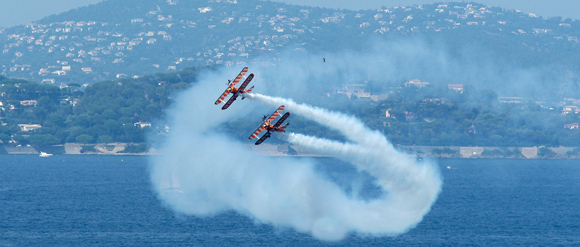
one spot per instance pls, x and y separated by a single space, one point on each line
263 138
232 99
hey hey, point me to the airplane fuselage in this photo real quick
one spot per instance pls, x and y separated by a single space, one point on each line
270 128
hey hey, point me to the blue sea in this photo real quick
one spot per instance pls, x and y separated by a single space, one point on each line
84 200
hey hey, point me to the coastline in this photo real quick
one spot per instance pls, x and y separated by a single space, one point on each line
441 152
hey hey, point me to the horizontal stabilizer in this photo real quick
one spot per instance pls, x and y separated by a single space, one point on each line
244 94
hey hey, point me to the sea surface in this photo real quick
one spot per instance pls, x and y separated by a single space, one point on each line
83 200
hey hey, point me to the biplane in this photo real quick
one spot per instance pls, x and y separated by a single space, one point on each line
269 127
235 91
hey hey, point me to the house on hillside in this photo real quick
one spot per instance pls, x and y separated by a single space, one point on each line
28 102
29 127
457 87
389 115
354 89
570 109
47 81
472 130
59 72
65 101
510 100
142 124
571 126
417 83
43 71
436 101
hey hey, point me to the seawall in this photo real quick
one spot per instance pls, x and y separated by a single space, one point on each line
293 150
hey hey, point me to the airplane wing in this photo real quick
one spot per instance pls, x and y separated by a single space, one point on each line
257 132
263 138
281 120
239 77
275 114
246 82
233 83
271 118
230 101
223 96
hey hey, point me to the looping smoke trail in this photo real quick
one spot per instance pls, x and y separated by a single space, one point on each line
204 172
412 187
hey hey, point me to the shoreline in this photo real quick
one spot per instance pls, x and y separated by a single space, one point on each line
284 150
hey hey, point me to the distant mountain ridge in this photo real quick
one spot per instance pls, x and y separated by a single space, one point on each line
126 38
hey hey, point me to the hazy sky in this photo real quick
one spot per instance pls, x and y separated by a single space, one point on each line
17 12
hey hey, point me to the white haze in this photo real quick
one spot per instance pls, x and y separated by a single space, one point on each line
404 60
203 172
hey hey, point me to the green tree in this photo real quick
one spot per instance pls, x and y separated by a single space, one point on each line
4 138
85 139
105 139
43 140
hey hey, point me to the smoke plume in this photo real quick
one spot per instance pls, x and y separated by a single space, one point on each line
201 171
412 187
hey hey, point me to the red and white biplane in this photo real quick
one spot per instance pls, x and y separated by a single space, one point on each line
269 127
236 91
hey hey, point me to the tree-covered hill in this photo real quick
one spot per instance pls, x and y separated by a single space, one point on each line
108 111
127 110
104 72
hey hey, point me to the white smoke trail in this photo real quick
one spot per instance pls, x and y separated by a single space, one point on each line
201 171
412 187
351 127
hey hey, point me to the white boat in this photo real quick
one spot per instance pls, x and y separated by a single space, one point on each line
44 154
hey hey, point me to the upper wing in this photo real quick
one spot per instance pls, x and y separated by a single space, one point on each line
230 101
281 120
223 96
257 132
239 77
275 114
246 82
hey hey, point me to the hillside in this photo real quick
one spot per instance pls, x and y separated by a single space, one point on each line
118 39
128 110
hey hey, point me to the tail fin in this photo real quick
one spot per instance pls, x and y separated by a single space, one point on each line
247 91
283 128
